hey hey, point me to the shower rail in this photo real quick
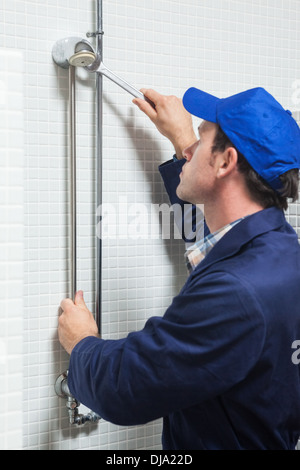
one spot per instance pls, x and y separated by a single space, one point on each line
99 122
72 147
61 384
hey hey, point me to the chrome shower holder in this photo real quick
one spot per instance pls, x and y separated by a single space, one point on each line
94 34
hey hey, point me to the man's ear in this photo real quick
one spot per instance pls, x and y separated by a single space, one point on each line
227 162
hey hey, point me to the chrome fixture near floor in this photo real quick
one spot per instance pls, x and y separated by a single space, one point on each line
72 405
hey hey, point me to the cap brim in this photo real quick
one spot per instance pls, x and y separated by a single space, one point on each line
201 104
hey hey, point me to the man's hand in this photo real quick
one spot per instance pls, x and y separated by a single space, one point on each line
170 117
75 322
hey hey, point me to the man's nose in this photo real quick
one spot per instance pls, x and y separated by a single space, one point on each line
188 152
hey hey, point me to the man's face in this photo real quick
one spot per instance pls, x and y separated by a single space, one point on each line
197 177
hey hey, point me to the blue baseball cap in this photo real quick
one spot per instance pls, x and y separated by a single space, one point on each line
257 125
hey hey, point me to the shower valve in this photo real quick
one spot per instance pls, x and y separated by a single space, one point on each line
62 390
61 386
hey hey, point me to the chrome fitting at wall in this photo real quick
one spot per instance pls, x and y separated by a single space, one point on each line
62 390
94 34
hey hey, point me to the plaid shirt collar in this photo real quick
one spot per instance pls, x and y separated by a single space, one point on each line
197 252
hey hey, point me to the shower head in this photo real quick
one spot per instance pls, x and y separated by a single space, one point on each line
84 54
73 51
82 59
79 53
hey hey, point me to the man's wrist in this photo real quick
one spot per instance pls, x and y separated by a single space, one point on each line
178 153
179 147
78 339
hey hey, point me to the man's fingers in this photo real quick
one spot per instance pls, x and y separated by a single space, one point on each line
79 300
65 303
145 107
151 94
149 107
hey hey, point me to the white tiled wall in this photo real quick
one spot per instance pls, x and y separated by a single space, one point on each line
11 246
222 46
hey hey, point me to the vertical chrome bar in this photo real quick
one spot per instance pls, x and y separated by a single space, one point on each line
72 182
99 114
98 311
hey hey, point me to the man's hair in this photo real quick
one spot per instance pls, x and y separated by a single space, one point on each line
259 189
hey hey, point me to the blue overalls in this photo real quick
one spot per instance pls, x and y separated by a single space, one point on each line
217 367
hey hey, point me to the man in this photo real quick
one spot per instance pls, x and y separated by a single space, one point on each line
218 365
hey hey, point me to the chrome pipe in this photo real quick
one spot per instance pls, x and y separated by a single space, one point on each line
99 154
72 181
